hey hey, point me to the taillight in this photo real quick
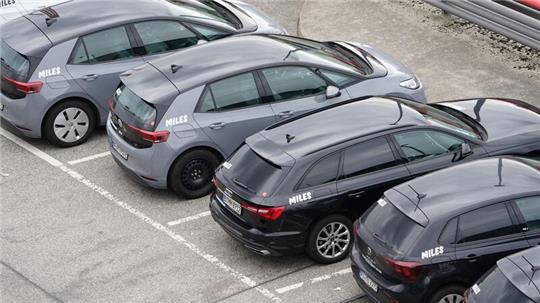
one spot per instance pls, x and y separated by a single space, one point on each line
111 103
465 294
408 272
355 227
25 87
154 137
268 213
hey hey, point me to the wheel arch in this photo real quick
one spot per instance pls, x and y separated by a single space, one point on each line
209 148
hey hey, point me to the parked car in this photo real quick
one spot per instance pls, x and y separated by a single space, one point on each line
431 238
60 64
514 279
175 119
297 185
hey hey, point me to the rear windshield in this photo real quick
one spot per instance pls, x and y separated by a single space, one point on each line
495 287
252 171
206 9
14 65
134 110
391 227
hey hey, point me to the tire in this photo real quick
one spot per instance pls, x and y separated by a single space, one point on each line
449 294
192 173
69 123
323 228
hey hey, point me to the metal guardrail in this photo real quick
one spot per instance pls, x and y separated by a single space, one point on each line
507 17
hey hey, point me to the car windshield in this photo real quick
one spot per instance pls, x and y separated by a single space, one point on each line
329 52
206 9
495 287
445 119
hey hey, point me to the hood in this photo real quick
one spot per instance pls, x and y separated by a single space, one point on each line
253 18
501 118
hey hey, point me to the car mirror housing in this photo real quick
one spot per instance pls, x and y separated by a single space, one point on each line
332 92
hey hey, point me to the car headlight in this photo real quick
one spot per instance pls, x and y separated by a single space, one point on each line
412 83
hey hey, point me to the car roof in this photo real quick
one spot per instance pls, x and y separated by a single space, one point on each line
340 123
465 187
523 271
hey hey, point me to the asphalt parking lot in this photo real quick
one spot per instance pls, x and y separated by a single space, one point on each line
75 228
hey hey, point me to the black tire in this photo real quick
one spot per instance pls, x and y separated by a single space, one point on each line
192 173
312 242
453 291
88 124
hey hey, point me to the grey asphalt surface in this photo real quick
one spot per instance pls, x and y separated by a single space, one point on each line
88 233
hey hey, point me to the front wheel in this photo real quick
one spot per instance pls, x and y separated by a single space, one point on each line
192 173
330 239
69 123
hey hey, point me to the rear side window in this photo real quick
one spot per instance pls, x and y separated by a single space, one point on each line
338 78
425 144
292 82
448 235
210 33
325 171
232 93
389 225
164 36
104 46
367 157
530 210
485 223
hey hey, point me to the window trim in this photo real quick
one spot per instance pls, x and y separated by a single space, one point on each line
310 168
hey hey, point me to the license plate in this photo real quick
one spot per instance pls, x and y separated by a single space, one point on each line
369 282
122 153
230 203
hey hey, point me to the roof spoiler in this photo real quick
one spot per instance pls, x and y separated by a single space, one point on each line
407 206
269 151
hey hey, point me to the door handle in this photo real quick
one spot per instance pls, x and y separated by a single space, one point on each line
471 258
217 125
286 114
90 77
356 194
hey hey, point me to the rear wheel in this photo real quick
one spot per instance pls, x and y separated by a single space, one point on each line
330 239
69 123
450 294
192 173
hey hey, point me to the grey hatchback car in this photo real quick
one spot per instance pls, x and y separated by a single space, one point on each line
61 63
176 118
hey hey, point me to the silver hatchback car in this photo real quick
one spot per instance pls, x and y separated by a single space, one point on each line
176 118
61 63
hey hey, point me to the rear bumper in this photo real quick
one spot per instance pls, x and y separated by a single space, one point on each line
24 114
269 244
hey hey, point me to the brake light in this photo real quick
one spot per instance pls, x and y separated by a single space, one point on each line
111 103
268 213
25 87
408 272
154 137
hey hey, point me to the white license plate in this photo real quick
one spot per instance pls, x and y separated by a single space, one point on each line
122 153
369 282
230 203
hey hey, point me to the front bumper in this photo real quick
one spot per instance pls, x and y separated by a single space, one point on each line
268 244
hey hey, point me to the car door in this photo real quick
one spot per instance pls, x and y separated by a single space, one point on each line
99 58
294 90
428 150
528 211
484 236
230 110
159 37
368 169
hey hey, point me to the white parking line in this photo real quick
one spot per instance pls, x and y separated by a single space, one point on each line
342 272
158 226
190 218
89 158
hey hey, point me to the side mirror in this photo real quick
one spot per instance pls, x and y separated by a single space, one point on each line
201 42
332 92
463 152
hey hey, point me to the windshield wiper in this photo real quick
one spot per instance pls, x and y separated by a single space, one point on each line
377 237
237 182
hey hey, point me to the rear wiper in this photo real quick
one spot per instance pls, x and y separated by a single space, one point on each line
377 237
237 182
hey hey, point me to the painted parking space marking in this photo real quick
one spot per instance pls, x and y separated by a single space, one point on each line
287 288
143 217
90 158
190 218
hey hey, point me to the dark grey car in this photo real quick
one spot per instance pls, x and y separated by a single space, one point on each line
60 64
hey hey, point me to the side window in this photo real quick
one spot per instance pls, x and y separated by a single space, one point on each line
325 171
338 78
448 235
530 209
291 82
423 144
207 102
210 33
367 157
484 223
163 36
108 45
235 92
79 55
